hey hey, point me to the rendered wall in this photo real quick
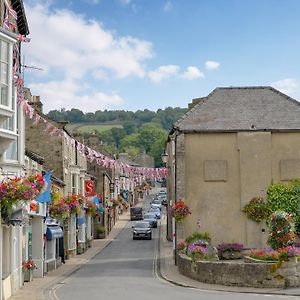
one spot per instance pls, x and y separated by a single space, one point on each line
224 171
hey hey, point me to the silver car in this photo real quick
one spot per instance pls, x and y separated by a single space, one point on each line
151 218
142 230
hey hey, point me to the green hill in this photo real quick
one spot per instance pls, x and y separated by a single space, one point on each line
90 127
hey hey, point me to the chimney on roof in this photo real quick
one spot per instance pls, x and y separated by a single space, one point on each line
36 103
194 102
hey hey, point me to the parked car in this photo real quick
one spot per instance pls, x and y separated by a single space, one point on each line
151 218
142 230
156 211
164 201
136 213
156 203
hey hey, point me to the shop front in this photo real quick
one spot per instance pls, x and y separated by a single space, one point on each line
53 252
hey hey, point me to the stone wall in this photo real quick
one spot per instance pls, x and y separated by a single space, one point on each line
50 147
239 273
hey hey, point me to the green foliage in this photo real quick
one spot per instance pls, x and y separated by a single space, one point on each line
257 209
196 236
129 127
156 150
124 131
149 134
286 197
164 118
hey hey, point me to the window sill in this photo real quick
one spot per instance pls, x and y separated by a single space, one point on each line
6 138
5 113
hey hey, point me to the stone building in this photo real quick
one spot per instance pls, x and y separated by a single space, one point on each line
226 150
11 136
66 162
104 184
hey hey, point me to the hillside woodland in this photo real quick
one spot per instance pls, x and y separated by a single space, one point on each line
131 132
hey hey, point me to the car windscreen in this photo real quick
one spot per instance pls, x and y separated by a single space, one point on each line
154 209
141 225
155 202
149 216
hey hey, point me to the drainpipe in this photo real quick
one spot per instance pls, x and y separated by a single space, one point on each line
174 225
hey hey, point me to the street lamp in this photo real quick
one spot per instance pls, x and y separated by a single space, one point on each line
164 157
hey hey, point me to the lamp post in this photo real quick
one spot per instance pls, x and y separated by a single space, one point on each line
164 157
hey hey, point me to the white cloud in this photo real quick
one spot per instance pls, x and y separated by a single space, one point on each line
192 72
163 72
212 65
75 49
287 86
168 6
67 42
65 94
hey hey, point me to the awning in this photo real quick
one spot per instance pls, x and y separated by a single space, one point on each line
54 232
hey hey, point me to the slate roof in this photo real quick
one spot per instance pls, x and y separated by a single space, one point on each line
231 109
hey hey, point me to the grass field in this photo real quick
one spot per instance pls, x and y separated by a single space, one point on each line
89 127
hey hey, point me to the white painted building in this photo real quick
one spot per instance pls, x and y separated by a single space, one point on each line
11 142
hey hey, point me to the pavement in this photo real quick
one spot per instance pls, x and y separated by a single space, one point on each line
41 288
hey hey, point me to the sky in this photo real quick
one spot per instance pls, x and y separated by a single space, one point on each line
151 54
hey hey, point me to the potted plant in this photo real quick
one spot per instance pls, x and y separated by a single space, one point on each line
230 250
101 232
28 267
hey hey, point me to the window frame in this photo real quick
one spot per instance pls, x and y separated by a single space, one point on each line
11 41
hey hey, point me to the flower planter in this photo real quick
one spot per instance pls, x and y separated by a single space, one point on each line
28 275
230 254
248 259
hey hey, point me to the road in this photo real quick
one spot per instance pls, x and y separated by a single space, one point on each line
127 269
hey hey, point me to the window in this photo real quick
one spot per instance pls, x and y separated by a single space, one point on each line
11 123
5 72
74 184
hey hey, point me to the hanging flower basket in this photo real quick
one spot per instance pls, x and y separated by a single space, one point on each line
12 191
179 211
75 202
37 182
91 207
59 210
115 202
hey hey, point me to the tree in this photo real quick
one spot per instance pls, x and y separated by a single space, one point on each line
149 133
132 140
75 115
157 149
117 134
129 127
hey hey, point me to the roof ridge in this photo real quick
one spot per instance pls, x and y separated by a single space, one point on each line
203 101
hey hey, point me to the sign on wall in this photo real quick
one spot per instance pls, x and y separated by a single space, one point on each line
89 186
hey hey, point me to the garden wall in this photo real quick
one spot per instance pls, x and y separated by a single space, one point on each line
240 273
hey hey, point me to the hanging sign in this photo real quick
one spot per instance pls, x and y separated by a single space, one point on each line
89 186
